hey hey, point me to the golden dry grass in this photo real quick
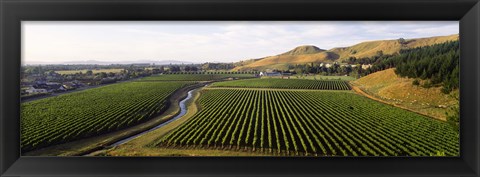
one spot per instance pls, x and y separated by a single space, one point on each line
281 61
370 48
364 49
389 87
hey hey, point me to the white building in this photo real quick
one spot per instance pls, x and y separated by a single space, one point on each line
32 89
270 74
366 66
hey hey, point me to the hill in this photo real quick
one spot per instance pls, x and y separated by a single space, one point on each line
388 87
302 50
370 48
308 54
282 61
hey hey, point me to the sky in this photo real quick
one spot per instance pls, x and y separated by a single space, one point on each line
204 41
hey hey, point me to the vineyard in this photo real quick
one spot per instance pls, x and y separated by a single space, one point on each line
91 112
309 123
195 77
286 84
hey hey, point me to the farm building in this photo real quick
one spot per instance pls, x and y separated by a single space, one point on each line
33 89
71 85
270 74
366 66
45 88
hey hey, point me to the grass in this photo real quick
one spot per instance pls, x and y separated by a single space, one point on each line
364 49
280 62
389 87
132 150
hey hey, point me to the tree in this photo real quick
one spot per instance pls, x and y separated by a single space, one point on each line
454 117
416 82
89 73
51 72
102 74
174 68
424 74
193 68
134 75
111 74
35 70
298 70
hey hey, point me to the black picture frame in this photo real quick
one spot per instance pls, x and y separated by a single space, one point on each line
12 12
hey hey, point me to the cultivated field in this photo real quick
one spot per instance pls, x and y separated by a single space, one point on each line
322 123
320 77
195 77
286 84
95 71
68 117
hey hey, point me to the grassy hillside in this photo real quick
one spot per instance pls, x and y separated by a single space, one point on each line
306 49
308 54
282 61
389 87
370 48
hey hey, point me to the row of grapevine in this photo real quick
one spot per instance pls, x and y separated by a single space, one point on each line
286 84
310 123
91 112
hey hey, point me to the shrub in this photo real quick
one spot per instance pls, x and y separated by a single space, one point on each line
416 82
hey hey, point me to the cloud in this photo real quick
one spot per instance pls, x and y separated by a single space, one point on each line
204 41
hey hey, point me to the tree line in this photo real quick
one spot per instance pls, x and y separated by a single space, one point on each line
437 64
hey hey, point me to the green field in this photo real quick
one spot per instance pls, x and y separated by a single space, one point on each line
286 84
310 122
91 112
320 77
95 71
195 77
